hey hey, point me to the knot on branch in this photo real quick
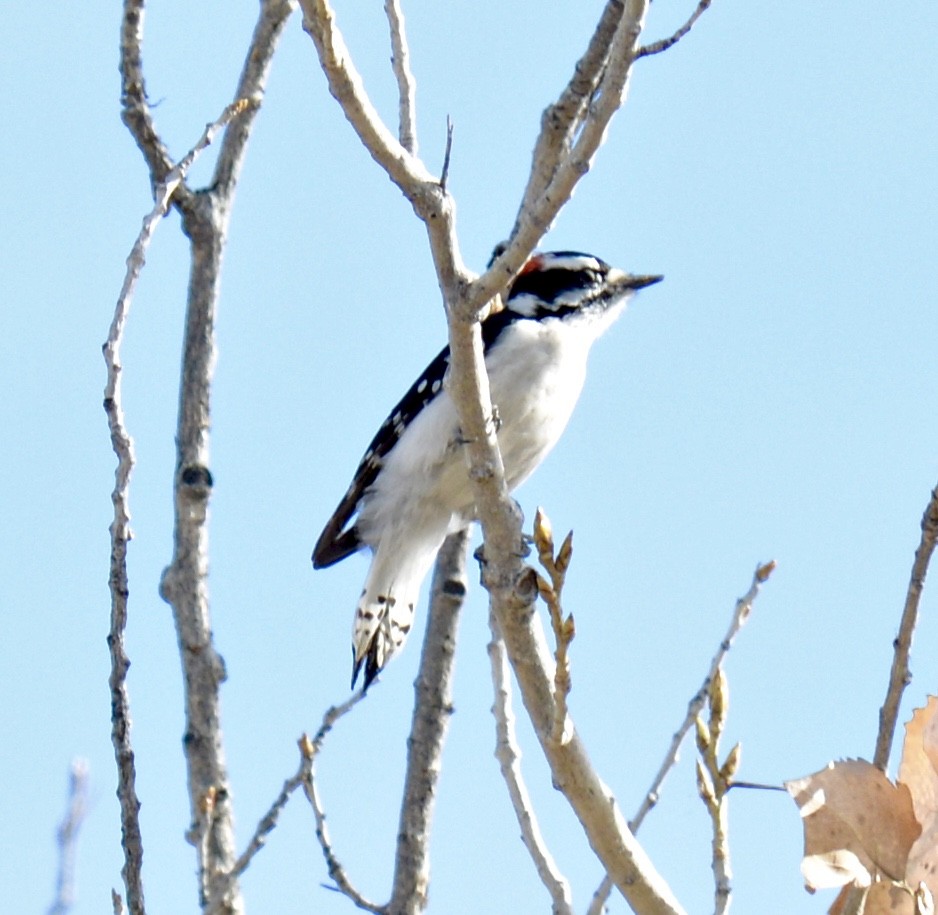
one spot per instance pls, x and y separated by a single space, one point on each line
196 480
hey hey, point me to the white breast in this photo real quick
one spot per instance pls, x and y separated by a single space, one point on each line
536 372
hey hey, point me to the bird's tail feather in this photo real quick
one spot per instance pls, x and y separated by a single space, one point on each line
385 614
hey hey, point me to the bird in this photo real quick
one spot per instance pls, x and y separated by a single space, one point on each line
412 488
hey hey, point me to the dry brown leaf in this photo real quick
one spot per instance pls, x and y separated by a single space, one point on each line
883 898
877 840
919 770
858 826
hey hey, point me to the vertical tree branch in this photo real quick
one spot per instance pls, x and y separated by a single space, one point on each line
120 532
432 709
900 674
135 106
406 86
252 84
183 584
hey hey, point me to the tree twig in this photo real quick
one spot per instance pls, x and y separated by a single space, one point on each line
658 46
563 628
447 152
432 709
741 613
67 837
310 750
252 84
713 783
508 754
406 85
900 674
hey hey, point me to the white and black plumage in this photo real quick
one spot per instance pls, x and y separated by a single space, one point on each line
411 488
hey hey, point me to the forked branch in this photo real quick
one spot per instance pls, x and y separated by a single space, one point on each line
205 220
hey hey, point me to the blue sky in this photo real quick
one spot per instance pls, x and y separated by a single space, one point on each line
773 398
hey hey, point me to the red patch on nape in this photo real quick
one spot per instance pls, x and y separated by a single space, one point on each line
534 262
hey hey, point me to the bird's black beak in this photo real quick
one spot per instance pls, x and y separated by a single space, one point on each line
640 282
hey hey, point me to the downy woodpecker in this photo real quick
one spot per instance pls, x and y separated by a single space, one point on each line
411 488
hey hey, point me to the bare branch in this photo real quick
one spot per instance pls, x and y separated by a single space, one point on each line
900 674
251 86
432 709
121 534
508 754
135 106
406 85
345 84
597 904
740 615
183 584
67 836
120 531
447 152
564 170
658 46
310 750
268 822
561 120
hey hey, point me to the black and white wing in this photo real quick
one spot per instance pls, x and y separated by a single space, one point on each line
338 539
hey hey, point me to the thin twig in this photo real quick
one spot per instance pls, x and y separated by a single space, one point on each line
268 822
310 750
740 615
713 783
67 837
900 674
579 144
658 46
406 85
508 754
444 171
564 629
597 904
